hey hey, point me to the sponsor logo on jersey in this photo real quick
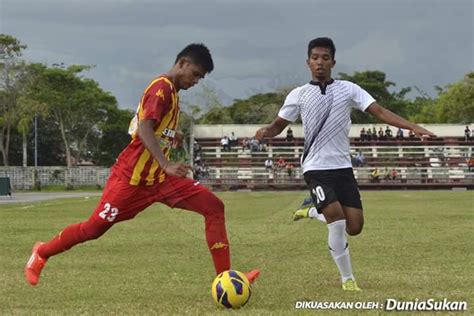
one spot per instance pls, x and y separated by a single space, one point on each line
169 132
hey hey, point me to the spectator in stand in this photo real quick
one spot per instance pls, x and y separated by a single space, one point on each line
225 143
245 144
281 163
363 135
263 145
289 135
394 174
467 133
204 171
232 139
375 175
254 144
470 164
400 134
388 133
269 165
197 172
381 134
197 159
197 153
368 135
386 173
360 159
289 170
411 135
374 134
197 149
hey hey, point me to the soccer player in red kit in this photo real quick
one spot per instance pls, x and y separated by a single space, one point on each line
143 174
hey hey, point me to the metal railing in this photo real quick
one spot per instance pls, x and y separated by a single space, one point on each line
27 178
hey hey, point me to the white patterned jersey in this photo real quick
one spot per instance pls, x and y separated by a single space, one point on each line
326 115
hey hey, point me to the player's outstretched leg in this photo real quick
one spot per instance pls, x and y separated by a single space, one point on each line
308 210
34 265
67 238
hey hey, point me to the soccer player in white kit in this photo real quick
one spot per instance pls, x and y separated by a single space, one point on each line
324 105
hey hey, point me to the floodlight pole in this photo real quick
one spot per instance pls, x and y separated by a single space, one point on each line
191 143
36 140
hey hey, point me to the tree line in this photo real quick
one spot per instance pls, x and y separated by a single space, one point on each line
75 118
453 103
77 121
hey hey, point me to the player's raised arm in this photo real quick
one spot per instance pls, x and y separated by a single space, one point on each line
391 118
273 129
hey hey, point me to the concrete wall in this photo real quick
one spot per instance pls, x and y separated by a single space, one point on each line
217 131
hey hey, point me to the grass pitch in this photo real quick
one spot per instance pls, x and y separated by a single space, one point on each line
415 245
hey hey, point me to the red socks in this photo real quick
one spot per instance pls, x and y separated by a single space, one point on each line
72 235
217 242
212 208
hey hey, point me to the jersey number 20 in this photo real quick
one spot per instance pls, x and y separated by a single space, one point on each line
319 192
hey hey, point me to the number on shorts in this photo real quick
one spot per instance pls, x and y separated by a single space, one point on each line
319 192
109 213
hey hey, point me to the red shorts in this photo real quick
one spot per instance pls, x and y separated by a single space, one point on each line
121 201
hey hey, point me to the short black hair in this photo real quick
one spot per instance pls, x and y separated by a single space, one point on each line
325 42
198 54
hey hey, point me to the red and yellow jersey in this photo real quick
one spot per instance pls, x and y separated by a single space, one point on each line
160 103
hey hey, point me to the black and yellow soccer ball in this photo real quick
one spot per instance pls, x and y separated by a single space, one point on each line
231 289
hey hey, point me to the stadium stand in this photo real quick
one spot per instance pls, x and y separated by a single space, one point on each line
446 162
440 163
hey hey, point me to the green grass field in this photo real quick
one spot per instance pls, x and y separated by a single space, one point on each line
415 245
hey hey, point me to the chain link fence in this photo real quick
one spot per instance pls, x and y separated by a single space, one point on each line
28 178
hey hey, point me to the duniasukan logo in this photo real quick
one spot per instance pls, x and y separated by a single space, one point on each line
219 245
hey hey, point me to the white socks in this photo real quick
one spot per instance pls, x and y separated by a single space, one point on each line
338 248
313 213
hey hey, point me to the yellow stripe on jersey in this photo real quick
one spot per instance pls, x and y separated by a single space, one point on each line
164 124
151 173
135 179
162 176
175 101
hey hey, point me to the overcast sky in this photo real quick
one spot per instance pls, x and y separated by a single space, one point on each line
257 45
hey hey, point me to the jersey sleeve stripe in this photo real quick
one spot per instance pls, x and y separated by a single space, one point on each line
155 81
168 81
140 110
